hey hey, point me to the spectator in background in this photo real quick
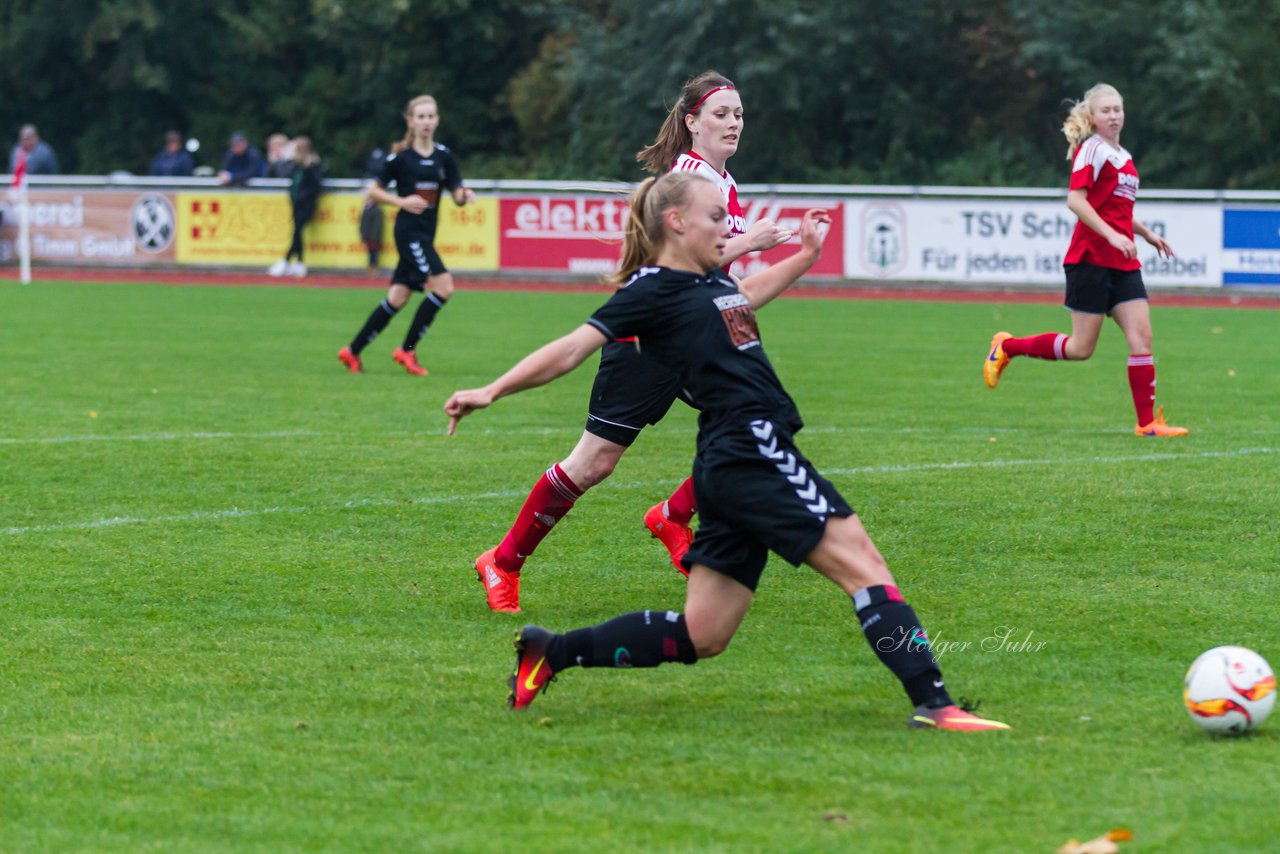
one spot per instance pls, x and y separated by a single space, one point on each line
173 161
241 162
371 218
304 190
279 156
40 157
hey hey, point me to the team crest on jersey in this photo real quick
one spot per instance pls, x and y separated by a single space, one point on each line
740 320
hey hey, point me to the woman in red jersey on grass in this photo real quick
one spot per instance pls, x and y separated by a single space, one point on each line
700 134
1104 276
756 491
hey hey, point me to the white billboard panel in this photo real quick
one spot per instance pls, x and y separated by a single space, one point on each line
1014 241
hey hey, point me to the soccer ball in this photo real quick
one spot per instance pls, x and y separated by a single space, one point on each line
1229 689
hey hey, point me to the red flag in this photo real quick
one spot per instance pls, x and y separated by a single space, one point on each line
20 170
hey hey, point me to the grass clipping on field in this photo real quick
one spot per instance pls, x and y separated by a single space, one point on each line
1104 844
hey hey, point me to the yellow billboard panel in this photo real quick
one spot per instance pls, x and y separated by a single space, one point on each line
222 228
226 228
467 238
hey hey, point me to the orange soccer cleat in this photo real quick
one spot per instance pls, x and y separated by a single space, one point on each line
408 360
501 587
532 674
351 360
959 718
676 537
1157 427
996 361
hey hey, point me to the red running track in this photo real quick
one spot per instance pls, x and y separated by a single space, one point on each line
848 290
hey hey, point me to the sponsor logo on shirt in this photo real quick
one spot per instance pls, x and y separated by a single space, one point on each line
739 320
1127 185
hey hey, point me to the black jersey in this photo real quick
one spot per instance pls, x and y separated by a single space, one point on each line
413 174
703 329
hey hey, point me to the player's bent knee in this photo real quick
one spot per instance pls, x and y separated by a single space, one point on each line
708 637
599 467
710 647
442 285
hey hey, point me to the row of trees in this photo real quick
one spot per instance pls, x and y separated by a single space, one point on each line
861 91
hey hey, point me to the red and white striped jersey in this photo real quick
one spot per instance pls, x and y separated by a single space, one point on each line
691 162
1109 176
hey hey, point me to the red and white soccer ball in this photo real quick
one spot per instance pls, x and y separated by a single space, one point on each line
1230 689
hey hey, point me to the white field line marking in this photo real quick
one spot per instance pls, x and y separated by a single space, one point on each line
239 513
156 437
979 464
567 430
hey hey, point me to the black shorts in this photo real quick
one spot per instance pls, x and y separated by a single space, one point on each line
756 494
631 391
418 258
1097 290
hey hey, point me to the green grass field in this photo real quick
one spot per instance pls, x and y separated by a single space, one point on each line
237 608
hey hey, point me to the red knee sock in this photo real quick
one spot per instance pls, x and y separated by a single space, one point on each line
551 497
1142 384
682 505
1047 345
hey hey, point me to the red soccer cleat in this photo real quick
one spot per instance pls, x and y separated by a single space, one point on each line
501 587
351 360
960 718
676 537
408 360
532 674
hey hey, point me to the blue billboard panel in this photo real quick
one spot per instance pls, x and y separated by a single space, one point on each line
1251 246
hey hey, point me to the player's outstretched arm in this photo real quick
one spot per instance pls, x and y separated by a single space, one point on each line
762 287
538 368
763 234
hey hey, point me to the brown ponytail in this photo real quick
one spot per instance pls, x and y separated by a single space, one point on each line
673 137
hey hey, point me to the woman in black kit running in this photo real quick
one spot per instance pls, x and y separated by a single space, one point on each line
420 168
756 491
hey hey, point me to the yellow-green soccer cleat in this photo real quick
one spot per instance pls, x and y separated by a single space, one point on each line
960 718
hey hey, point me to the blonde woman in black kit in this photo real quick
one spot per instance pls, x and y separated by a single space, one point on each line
756 491
420 169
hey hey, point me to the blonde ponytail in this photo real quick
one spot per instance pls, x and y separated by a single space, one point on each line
397 147
643 236
1079 123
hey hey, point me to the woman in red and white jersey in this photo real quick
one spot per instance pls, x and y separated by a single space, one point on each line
631 391
699 135
1104 276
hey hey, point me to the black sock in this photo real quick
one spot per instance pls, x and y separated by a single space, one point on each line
895 633
639 639
295 248
426 313
377 322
